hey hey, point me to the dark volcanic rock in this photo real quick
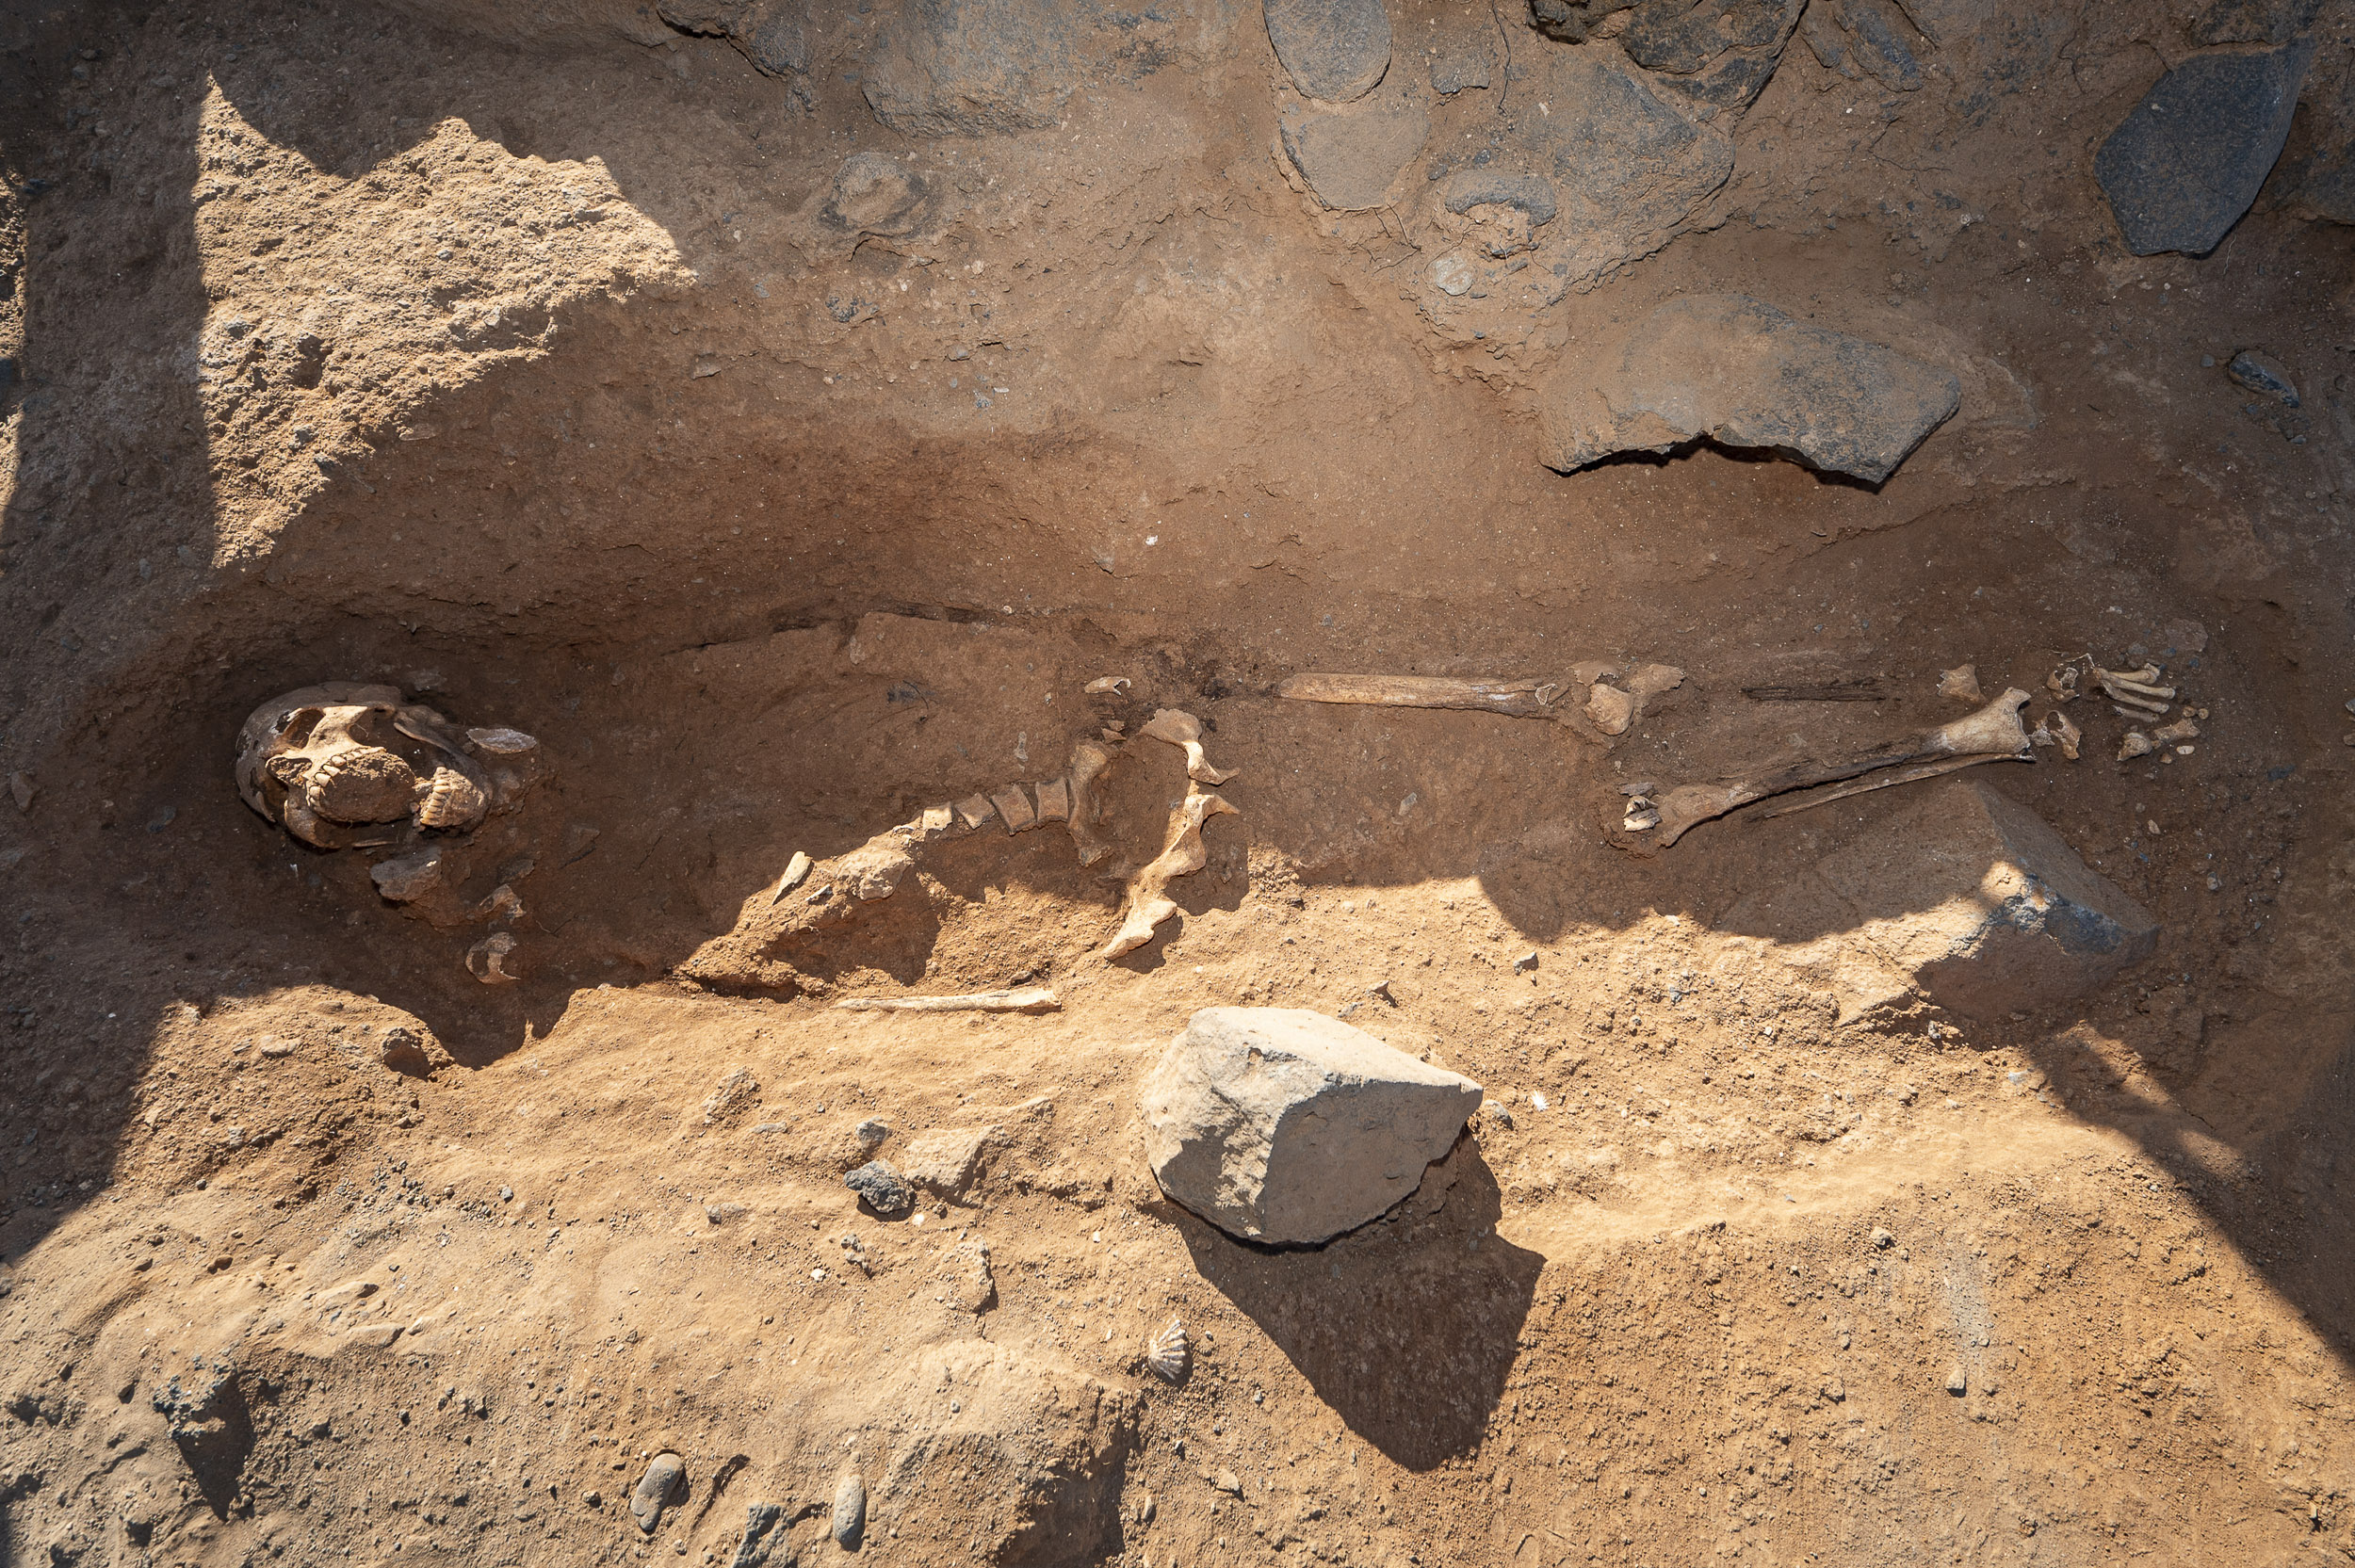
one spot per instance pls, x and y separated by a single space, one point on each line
1717 53
2181 168
1864 37
1570 20
1743 373
972 67
883 1188
1336 50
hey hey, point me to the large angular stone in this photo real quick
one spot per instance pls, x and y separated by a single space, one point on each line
1983 906
1741 372
2181 168
1283 1125
1718 54
1335 50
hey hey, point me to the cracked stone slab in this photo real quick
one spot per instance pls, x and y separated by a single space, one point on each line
2181 168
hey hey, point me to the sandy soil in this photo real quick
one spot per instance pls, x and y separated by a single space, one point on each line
514 359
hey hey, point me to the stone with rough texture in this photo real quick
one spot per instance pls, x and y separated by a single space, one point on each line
1958 894
664 1483
881 1186
1864 37
2181 168
972 67
1283 1125
1350 157
943 1162
1719 54
764 1540
1336 50
1745 374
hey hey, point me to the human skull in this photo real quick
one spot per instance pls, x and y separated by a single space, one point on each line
346 764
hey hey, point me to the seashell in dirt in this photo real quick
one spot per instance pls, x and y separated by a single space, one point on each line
1962 684
1183 730
1167 1355
487 959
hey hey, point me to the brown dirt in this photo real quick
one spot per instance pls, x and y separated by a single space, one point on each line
516 366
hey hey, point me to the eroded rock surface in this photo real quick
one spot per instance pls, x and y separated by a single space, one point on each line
1741 372
1336 50
1280 1125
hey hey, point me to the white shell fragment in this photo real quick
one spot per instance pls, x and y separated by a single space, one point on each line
1108 685
486 960
1182 855
1182 729
2137 744
1962 684
1167 1354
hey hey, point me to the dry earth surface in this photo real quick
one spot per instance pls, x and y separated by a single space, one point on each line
785 428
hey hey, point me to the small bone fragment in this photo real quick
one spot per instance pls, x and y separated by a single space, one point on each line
1182 729
1028 998
503 904
1651 680
1015 807
1993 730
1103 686
2182 729
2062 684
1182 855
936 821
2137 744
974 810
486 959
1054 801
1888 776
1520 699
2065 735
796 872
1088 759
1866 689
1610 709
1641 816
1963 682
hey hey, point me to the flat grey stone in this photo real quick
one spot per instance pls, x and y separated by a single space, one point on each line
2260 372
664 1483
874 193
1336 50
972 67
2180 169
1351 157
1982 905
850 1511
1282 1126
1743 373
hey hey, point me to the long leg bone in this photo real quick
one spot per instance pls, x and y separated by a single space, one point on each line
1182 729
1519 699
1993 730
1031 999
1888 776
1182 855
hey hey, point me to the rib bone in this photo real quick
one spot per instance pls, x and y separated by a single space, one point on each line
1993 730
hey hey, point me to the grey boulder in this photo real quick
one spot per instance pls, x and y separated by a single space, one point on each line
2181 168
972 67
1282 1126
1718 54
1336 50
1745 374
